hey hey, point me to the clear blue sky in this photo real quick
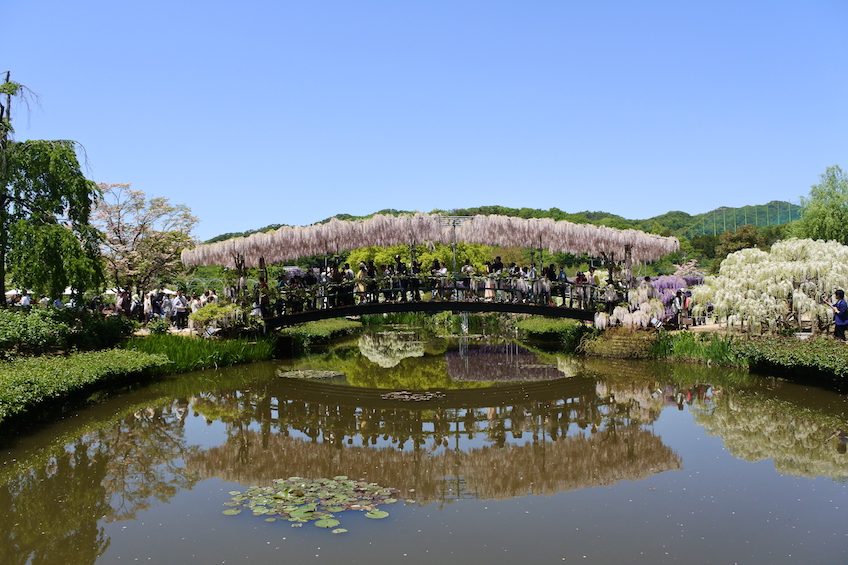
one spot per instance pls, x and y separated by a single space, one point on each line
261 112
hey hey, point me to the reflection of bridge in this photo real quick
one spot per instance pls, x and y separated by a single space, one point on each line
322 301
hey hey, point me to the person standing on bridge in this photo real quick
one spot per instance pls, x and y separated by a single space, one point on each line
403 282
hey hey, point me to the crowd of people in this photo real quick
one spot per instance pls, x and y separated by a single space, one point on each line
341 285
174 307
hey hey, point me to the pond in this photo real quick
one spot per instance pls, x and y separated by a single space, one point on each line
515 455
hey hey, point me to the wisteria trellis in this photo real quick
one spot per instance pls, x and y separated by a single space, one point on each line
291 242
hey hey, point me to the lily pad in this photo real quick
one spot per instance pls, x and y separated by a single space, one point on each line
327 523
339 531
301 500
231 511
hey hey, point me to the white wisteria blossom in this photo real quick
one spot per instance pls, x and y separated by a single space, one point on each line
777 288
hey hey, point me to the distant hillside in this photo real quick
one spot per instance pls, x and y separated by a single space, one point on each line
676 223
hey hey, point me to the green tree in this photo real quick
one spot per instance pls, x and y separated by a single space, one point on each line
824 212
743 238
46 241
142 239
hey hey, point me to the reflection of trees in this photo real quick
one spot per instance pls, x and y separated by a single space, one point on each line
387 349
492 472
759 426
54 507
147 449
542 438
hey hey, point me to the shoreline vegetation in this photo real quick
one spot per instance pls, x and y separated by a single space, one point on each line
33 386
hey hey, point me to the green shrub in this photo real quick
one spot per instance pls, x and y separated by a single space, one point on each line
158 326
44 330
217 315
821 354
27 382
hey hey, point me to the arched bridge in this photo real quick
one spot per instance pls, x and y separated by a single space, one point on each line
578 301
429 307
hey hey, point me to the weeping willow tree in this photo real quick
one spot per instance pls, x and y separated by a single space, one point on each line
777 289
46 241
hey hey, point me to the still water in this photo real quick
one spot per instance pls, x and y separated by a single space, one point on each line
520 456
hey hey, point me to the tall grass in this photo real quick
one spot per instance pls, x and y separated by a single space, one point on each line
709 348
191 353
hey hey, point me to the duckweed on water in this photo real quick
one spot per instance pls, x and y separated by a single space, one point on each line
300 500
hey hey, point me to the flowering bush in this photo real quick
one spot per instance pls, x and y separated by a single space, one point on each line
776 288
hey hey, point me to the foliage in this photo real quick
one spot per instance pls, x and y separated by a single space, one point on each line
216 314
191 353
158 326
776 288
46 242
142 238
476 253
705 245
743 238
825 210
300 500
709 348
802 357
27 382
43 330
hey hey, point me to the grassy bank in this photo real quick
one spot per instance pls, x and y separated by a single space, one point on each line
192 354
820 360
28 382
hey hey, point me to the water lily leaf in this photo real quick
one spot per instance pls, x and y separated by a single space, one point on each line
327 523
376 514
232 503
235 492
339 531
270 519
232 511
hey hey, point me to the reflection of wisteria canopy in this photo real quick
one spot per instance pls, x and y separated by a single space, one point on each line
501 362
291 242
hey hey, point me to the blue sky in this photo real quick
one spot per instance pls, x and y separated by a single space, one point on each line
262 112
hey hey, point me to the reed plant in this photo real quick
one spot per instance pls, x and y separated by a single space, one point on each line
193 353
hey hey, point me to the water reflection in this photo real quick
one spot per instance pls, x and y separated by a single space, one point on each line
541 439
60 489
387 349
56 505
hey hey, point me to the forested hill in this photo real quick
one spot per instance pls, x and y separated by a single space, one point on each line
676 223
